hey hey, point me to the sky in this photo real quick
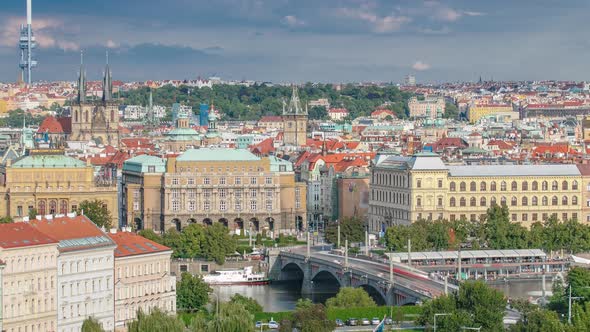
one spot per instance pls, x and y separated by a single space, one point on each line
303 40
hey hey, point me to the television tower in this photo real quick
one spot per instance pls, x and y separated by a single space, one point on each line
27 44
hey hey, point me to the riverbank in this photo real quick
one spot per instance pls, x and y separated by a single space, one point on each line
402 313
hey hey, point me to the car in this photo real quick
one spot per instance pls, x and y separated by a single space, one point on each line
365 321
352 322
388 321
273 325
375 321
258 324
339 322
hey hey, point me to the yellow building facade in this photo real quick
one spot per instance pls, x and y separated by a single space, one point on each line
51 183
205 186
476 112
406 189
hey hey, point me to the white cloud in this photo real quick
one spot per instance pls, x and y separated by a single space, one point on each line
379 24
420 66
111 44
47 33
292 21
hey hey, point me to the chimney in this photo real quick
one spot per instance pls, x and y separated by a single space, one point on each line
113 230
38 217
72 214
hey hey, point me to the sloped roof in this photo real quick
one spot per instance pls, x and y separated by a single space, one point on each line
50 125
15 235
131 244
209 154
48 161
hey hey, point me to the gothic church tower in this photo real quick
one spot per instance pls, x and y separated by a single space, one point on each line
294 121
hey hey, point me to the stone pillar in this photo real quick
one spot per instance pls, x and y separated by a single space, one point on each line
307 284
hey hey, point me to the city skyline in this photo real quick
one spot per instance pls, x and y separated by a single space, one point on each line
291 41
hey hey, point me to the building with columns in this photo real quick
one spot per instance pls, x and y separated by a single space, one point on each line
29 297
406 189
230 186
51 183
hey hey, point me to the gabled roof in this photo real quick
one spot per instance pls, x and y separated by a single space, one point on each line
15 235
50 125
48 161
131 244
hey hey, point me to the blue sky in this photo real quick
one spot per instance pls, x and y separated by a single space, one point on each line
304 40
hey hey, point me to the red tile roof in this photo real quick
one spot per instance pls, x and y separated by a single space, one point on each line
50 125
264 148
66 124
16 235
69 228
131 244
271 118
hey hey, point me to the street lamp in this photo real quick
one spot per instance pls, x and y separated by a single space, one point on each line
440 314
569 302
217 303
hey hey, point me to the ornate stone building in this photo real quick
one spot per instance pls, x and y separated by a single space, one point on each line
294 121
51 183
95 120
405 189
229 186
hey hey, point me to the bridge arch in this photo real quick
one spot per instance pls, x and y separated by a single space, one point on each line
375 294
292 272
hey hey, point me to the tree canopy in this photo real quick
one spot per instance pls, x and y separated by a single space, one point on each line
192 293
308 317
250 304
352 229
156 320
91 324
233 317
97 211
349 297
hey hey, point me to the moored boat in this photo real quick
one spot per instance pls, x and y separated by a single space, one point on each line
245 276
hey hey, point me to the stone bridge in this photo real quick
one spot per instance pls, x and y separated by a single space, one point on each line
319 273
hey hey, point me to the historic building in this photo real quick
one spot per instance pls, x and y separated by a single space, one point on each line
51 183
182 137
85 273
429 107
29 296
142 277
294 121
230 186
405 189
95 120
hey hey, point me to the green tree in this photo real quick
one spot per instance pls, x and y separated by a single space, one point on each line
233 317
349 297
258 239
173 239
352 229
451 111
91 324
33 213
217 243
540 320
318 113
97 211
308 317
150 235
250 304
6 220
156 320
578 279
192 240
192 293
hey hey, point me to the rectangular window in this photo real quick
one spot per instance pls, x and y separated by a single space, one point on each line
19 210
297 203
204 268
183 268
207 193
269 205
514 217
238 205
175 193
238 193
191 205
191 181
191 193
238 180
418 183
222 205
253 180
564 217
525 217
151 169
253 205
135 206
175 181
222 193
269 193
575 216
206 181
222 180
268 180
452 217
534 217
253 193
207 205
175 205
440 183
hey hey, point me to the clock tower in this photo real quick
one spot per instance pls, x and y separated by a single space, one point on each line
294 121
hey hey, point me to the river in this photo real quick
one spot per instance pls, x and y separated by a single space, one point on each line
283 296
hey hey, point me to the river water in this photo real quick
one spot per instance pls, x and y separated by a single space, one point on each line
283 296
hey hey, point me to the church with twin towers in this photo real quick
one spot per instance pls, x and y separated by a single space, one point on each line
95 120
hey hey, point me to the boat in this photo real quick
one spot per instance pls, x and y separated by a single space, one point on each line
245 276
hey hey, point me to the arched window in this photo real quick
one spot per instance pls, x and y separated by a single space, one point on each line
453 202
42 208
452 186
493 186
535 201
575 200
545 201
535 185
462 201
418 201
545 186
472 201
482 186
86 116
575 185
554 185
492 200
76 116
503 201
554 200
525 186
514 201
564 185
63 206
525 201
472 186
482 201
514 186
462 186
52 207
564 200
112 115
503 186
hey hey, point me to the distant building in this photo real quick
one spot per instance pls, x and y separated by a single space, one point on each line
321 102
29 295
500 112
142 278
271 123
294 121
229 186
203 115
410 80
429 108
337 114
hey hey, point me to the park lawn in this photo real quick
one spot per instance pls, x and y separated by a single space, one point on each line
346 313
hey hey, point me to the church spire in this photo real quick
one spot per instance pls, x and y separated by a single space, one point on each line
82 80
295 104
107 84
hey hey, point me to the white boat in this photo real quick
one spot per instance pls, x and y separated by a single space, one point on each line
244 276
